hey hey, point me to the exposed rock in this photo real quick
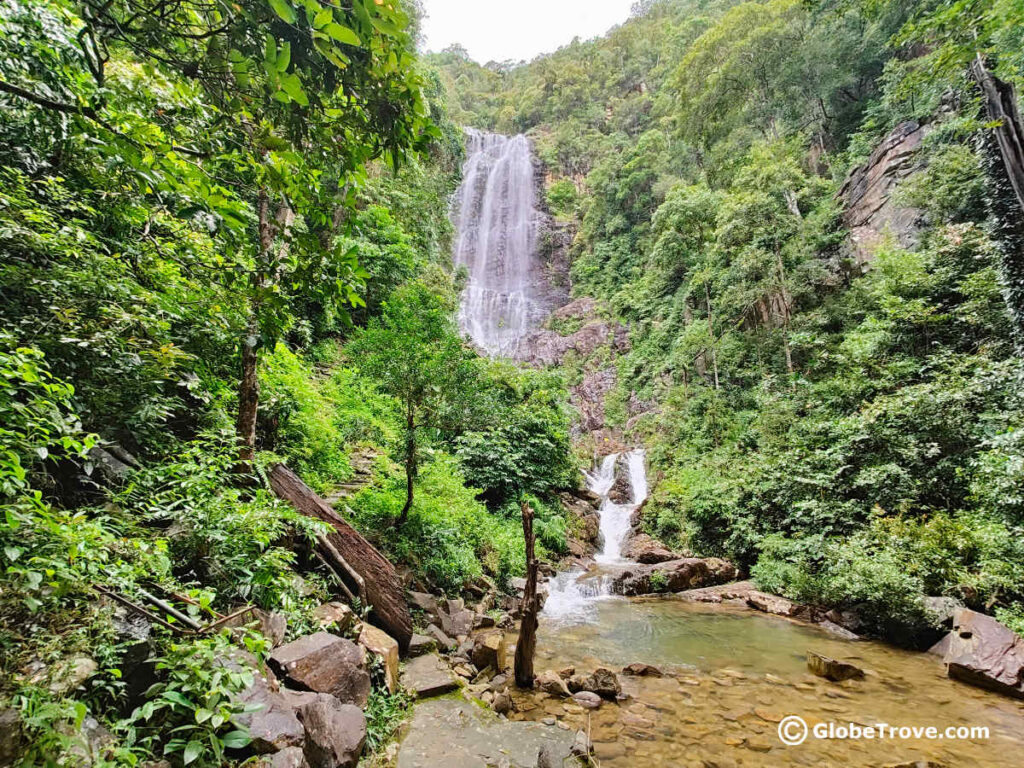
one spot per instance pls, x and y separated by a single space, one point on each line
325 663
942 610
91 744
65 675
675 575
427 676
489 650
335 733
587 699
133 634
736 590
483 621
588 397
421 644
832 669
548 757
292 757
549 682
646 549
11 737
502 703
458 622
639 669
838 631
272 723
334 613
985 653
426 603
601 681
581 746
273 626
870 213
442 639
774 604
548 348
381 644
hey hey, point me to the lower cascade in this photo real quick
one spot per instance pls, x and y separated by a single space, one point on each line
572 594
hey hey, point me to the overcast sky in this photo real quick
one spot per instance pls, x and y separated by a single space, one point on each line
496 30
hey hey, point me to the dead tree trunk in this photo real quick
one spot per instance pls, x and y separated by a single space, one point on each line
528 628
1001 106
349 551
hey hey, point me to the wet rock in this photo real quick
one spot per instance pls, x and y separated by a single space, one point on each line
550 682
587 699
601 681
505 621
502 703
832 669
581 746
427 676
421 644
334 614
324 663
483 621
383 646
838 631
985 653
674 575
489 650
645 549
443 641
335 733
639 669
774 604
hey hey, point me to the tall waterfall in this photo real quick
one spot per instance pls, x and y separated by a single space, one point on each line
498 222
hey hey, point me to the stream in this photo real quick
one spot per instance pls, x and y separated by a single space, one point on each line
731 674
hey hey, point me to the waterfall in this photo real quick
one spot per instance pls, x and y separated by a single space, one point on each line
497 221
572 594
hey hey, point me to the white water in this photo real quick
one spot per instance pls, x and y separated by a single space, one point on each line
498 222
572 595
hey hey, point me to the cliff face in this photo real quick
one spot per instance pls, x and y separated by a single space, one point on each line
870 212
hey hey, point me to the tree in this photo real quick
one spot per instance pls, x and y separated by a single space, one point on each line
276 107
414 353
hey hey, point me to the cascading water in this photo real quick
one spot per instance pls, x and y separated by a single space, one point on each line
498 223
572 594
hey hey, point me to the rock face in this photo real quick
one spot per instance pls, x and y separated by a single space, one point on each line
420 645
674 575
10 736
648 550
983 652
324 663
870 213
334 613
832 669
273 726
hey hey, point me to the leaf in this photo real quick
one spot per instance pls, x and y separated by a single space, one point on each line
291 85
325 17
284 56
386 27
176 698
192 750
12 553
43 452
284 10
235 740
343 34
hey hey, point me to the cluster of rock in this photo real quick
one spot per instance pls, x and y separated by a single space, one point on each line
674 575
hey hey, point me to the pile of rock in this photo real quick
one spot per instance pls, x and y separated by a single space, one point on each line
588 690
674 575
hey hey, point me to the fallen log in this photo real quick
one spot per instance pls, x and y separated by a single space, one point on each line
373 576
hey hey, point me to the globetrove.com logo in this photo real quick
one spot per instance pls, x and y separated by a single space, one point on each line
793 731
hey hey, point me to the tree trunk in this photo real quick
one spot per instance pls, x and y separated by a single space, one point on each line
1001 107
711 334
248 396
410 468
787 301
527 643
380 583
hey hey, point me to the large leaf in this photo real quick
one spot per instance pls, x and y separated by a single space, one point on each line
283 9
343 34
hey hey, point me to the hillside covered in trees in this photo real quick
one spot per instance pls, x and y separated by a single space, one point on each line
843 418
226 244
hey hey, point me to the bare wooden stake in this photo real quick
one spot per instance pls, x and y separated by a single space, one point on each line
528 628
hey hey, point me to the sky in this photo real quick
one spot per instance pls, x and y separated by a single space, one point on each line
498 30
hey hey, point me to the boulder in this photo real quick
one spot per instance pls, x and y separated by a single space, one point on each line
483 621
335 733
334 613
674 575
639 669
441 638
502 703
459 622
421 644
427 676
11 736
645 549
774 604
64 675
272 723
985 653
604 683
832 669
550 682
324 663
587 699
273 626
489 650
425 602
292 757
383 646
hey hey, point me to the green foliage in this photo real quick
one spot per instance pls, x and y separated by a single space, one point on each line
385 713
